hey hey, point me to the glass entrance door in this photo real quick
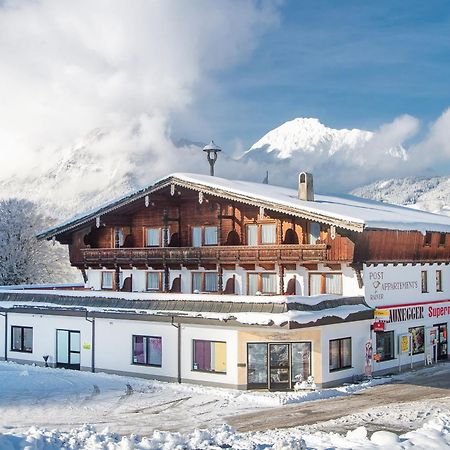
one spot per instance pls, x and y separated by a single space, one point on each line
279 369
68 349
442 341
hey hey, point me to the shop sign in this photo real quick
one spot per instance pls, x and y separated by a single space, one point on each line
382 314
404 343
438 311
378 326
379 285
405 314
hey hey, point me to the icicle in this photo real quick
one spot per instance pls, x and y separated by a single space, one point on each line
53 240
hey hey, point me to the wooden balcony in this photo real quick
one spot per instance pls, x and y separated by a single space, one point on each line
239 254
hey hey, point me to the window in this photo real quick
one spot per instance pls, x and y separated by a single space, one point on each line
340 353
196 236
147 350
417 339
210 356
153 237
438 280
385 345
442 237
22 339
155 281
268 233
118 237
252 235
424 281
266 283
210 235
314 232
427 238
325 283
205 236
205 281
265 234
107 280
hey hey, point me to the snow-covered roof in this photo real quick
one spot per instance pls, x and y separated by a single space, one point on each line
293 311
344 211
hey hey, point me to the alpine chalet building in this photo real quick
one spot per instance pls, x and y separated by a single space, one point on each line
230 283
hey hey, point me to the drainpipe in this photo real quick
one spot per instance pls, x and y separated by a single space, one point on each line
92 321
178 327
5 315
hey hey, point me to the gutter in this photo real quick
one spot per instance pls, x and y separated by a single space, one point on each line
92 321
178 327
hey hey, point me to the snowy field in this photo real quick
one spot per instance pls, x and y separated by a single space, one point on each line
43 408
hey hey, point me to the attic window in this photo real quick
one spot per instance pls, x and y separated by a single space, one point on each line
427 239
442 237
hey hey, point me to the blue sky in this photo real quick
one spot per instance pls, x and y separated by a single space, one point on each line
353 64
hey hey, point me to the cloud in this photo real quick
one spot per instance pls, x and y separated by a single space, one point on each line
69 68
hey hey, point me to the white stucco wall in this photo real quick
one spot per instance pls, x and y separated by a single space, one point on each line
44 336
393 285
360 333
350 286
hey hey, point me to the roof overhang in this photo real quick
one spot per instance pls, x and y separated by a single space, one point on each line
83 220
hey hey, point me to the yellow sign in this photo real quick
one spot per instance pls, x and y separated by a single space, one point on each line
404 343
381 314
86 346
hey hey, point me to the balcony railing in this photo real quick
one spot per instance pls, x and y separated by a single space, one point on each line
239 254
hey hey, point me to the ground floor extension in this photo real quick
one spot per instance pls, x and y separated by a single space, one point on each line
258 349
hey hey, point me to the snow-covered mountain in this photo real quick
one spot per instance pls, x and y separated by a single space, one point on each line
310 137
430 194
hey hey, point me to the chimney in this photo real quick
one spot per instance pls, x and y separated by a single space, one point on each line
305 187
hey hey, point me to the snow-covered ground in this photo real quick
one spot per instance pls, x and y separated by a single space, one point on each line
43 408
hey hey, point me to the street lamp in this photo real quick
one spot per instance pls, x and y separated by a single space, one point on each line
212 149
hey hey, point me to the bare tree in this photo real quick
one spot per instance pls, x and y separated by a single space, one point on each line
24 259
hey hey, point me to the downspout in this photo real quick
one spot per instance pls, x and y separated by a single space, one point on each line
5 315
92 321
178 327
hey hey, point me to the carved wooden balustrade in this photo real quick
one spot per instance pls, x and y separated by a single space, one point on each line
236 254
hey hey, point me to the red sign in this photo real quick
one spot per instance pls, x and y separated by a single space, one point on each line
378 326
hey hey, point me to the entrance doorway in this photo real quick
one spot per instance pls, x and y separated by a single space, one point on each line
277 366
68 349
442 351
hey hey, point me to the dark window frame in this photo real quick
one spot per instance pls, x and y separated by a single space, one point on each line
392 335
442 239
438 279
427 239
147 354
22 339
193 369
424 281
341 353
